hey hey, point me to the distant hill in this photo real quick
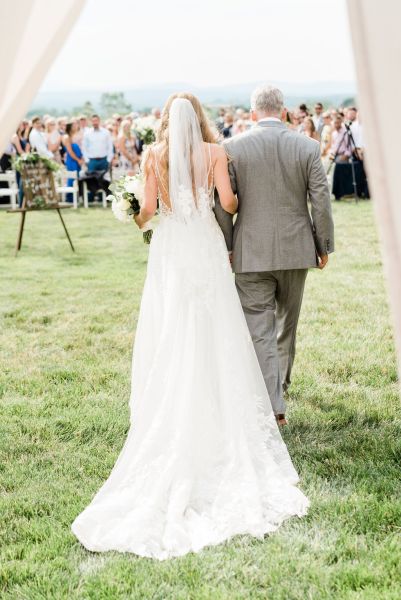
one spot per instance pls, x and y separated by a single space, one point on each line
331 93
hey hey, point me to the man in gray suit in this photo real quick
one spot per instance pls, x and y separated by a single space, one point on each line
275 239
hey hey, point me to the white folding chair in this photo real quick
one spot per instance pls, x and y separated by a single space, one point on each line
63 188
86 196
11 191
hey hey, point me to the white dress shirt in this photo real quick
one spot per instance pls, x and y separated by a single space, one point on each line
97 143
356 130
38 142
270 119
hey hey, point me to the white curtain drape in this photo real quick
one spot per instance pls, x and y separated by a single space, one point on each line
375 30
32 33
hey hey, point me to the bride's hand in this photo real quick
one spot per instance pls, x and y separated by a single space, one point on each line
138 220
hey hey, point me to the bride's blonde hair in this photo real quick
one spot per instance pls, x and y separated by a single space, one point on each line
209 134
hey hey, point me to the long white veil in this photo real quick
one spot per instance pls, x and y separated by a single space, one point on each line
188 171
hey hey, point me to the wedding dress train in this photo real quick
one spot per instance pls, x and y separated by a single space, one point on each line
204 459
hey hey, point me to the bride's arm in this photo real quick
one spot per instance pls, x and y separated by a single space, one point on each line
222 181
149 206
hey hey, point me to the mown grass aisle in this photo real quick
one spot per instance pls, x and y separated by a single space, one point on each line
66 332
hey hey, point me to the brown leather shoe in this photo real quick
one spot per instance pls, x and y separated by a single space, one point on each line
281 420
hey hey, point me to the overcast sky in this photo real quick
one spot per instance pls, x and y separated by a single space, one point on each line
128 43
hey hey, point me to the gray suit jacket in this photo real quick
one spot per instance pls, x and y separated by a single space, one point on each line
273 171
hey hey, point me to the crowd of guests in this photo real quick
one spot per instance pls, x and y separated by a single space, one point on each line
81 144
339 131
112 148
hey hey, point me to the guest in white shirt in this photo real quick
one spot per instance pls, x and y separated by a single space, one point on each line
356 128
38 140
97 147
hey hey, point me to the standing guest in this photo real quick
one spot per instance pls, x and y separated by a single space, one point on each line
228 125
74 160
83 124
98 149
21 145
156 114
301 114
325 138
340 148
115 129
318 117
53 138
239 127
126 146
20 138
220 120
304 111
117 120
61 125
310 130
355 126
82 129
293 120
38 140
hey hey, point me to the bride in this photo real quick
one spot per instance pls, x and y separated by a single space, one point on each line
204 459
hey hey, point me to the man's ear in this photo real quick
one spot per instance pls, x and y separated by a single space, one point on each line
284 114
254 116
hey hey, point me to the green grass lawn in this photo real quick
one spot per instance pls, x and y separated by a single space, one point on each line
67 327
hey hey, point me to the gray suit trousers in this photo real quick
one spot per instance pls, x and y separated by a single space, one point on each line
272 302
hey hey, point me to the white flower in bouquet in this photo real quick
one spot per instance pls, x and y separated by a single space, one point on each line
127 197
136 185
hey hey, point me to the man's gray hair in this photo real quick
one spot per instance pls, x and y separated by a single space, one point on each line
267 99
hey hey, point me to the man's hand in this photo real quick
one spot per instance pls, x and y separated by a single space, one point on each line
323 260
230 257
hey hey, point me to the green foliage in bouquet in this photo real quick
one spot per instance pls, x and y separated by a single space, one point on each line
146 135
118 191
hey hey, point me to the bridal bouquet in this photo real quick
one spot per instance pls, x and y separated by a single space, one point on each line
126 197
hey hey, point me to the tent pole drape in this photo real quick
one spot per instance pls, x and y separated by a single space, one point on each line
377 50
33 32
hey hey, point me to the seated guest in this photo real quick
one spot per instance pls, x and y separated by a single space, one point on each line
74 160
97 148
38 140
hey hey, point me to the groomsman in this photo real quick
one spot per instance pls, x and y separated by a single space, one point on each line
97 148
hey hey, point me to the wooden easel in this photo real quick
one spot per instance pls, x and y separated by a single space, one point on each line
38 182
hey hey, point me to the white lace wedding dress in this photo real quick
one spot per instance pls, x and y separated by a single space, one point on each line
203 460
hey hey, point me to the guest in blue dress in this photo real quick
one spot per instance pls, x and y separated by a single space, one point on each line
73 154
